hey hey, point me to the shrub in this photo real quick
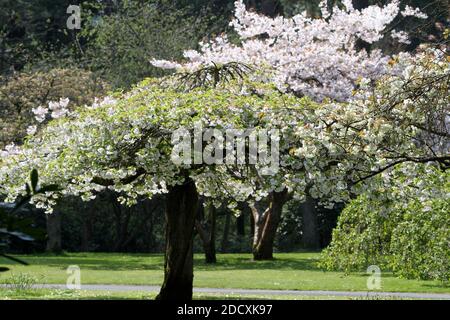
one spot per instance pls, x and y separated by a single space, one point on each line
361 237
411 240
420 243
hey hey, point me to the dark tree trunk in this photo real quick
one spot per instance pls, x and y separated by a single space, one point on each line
207 231
87 226
266 224
54 232
252 226
240 224
122 220
181 209
226 232
310 236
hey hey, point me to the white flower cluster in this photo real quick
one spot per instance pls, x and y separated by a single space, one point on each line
401 36
413 12
57 109
317 58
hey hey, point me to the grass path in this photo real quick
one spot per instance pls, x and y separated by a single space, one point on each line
289 271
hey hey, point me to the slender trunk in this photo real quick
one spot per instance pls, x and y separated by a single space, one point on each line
252 227
310 236
89 208
266 224
211 257
208 237
240 224
54 232
226 232
181 209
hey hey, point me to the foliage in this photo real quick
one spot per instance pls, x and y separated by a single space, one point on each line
20 281
29 30
407 234
361 238
121 43
25 91
332 150
420 244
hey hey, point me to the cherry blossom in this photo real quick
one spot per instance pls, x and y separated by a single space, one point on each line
317 58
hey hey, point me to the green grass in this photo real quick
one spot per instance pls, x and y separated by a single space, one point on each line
50 294
296 271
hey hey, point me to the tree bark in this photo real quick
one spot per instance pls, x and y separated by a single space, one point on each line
181 209
226 232
310 236
208 237
240 224
87 225
54 232
266 224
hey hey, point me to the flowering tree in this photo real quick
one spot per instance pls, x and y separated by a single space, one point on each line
125 145
328 151
318 58
314 57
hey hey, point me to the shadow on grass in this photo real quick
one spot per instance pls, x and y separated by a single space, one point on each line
243 263
129 262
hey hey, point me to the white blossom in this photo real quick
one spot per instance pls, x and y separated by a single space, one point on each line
413 12
40 113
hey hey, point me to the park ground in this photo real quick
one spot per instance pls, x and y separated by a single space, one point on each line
288 271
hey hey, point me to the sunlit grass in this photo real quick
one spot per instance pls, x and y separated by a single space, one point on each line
294 271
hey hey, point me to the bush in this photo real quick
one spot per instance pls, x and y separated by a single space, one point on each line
413 242
420 244
362 236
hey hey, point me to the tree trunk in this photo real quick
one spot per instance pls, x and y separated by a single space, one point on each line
240 224
207 232
226 232
87 226
266 224
54 232
310 237
181 209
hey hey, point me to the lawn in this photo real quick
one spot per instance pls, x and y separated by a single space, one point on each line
52 294
296 271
